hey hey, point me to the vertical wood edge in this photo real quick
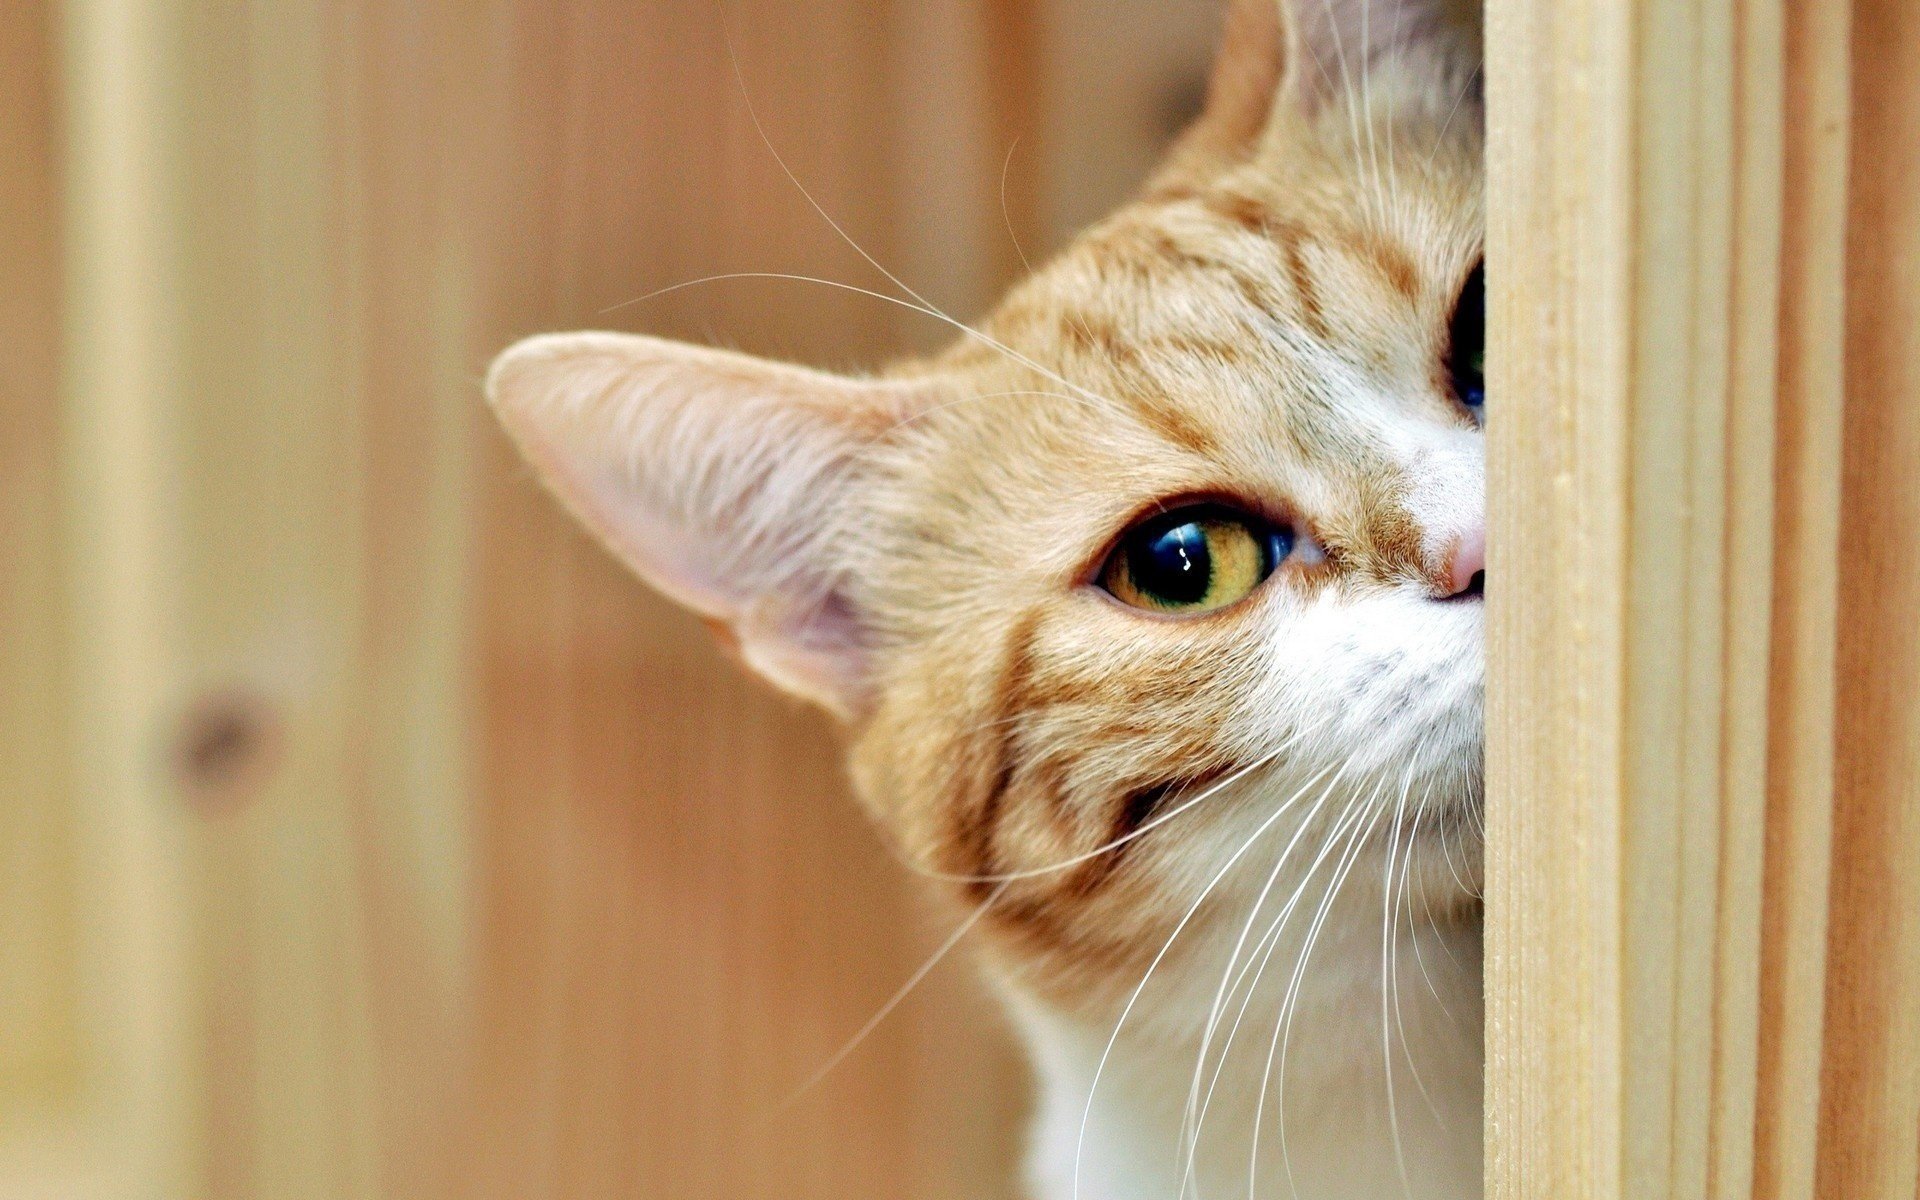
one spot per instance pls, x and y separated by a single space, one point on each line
1757 139
1559 155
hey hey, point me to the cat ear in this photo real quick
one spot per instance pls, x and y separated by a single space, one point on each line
1433 46
1247 73
1282 57
722 480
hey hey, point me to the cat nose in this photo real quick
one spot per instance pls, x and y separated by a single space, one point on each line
1467 569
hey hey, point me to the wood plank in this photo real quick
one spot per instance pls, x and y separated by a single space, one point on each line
1755 136
265 477
1870 1087
317 417
1101 137
1630 482
1558 249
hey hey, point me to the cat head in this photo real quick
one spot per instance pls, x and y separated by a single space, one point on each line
1170 564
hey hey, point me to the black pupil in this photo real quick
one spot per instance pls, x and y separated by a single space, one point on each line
1171 563
1466 350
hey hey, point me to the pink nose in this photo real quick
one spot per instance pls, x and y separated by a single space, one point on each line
1467 571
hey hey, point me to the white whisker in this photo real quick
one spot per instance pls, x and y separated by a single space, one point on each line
1133 999
1265 948
1229 982
1389 975
1013 235
1283 1031
926 305
1426 907
893 1002
1405 903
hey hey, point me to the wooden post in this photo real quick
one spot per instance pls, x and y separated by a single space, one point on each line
1690 577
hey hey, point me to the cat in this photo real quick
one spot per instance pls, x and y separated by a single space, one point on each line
1152 608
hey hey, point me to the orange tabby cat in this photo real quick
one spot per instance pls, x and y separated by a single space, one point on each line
1153 609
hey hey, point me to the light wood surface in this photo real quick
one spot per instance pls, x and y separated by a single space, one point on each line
685 914
37 1038
1702 962
43 1055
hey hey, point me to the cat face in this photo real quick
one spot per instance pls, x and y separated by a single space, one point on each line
1161 586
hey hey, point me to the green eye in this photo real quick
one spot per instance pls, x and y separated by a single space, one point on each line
1194 559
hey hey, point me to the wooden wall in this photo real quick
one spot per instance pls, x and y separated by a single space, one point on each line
370 834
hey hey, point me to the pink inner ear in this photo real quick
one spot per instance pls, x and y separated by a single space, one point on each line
653 548
813 647
818 652
715 477
667 555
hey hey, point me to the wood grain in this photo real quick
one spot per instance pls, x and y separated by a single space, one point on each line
686 915
371 835
1870 1084
1559 250
1799 822
1706 740
129 1134
1635 182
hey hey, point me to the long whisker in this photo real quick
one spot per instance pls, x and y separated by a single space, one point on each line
1006 168
1366 93
1229 981
1388 977
1426 908
1446 853
789 277
1405 903
1283 1032
927 305
1269 942
1346 83
1459 99
753 114
1133 999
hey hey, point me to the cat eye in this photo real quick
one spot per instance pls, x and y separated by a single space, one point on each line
1194 559
1466 342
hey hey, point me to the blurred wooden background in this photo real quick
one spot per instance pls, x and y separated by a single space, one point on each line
368 834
